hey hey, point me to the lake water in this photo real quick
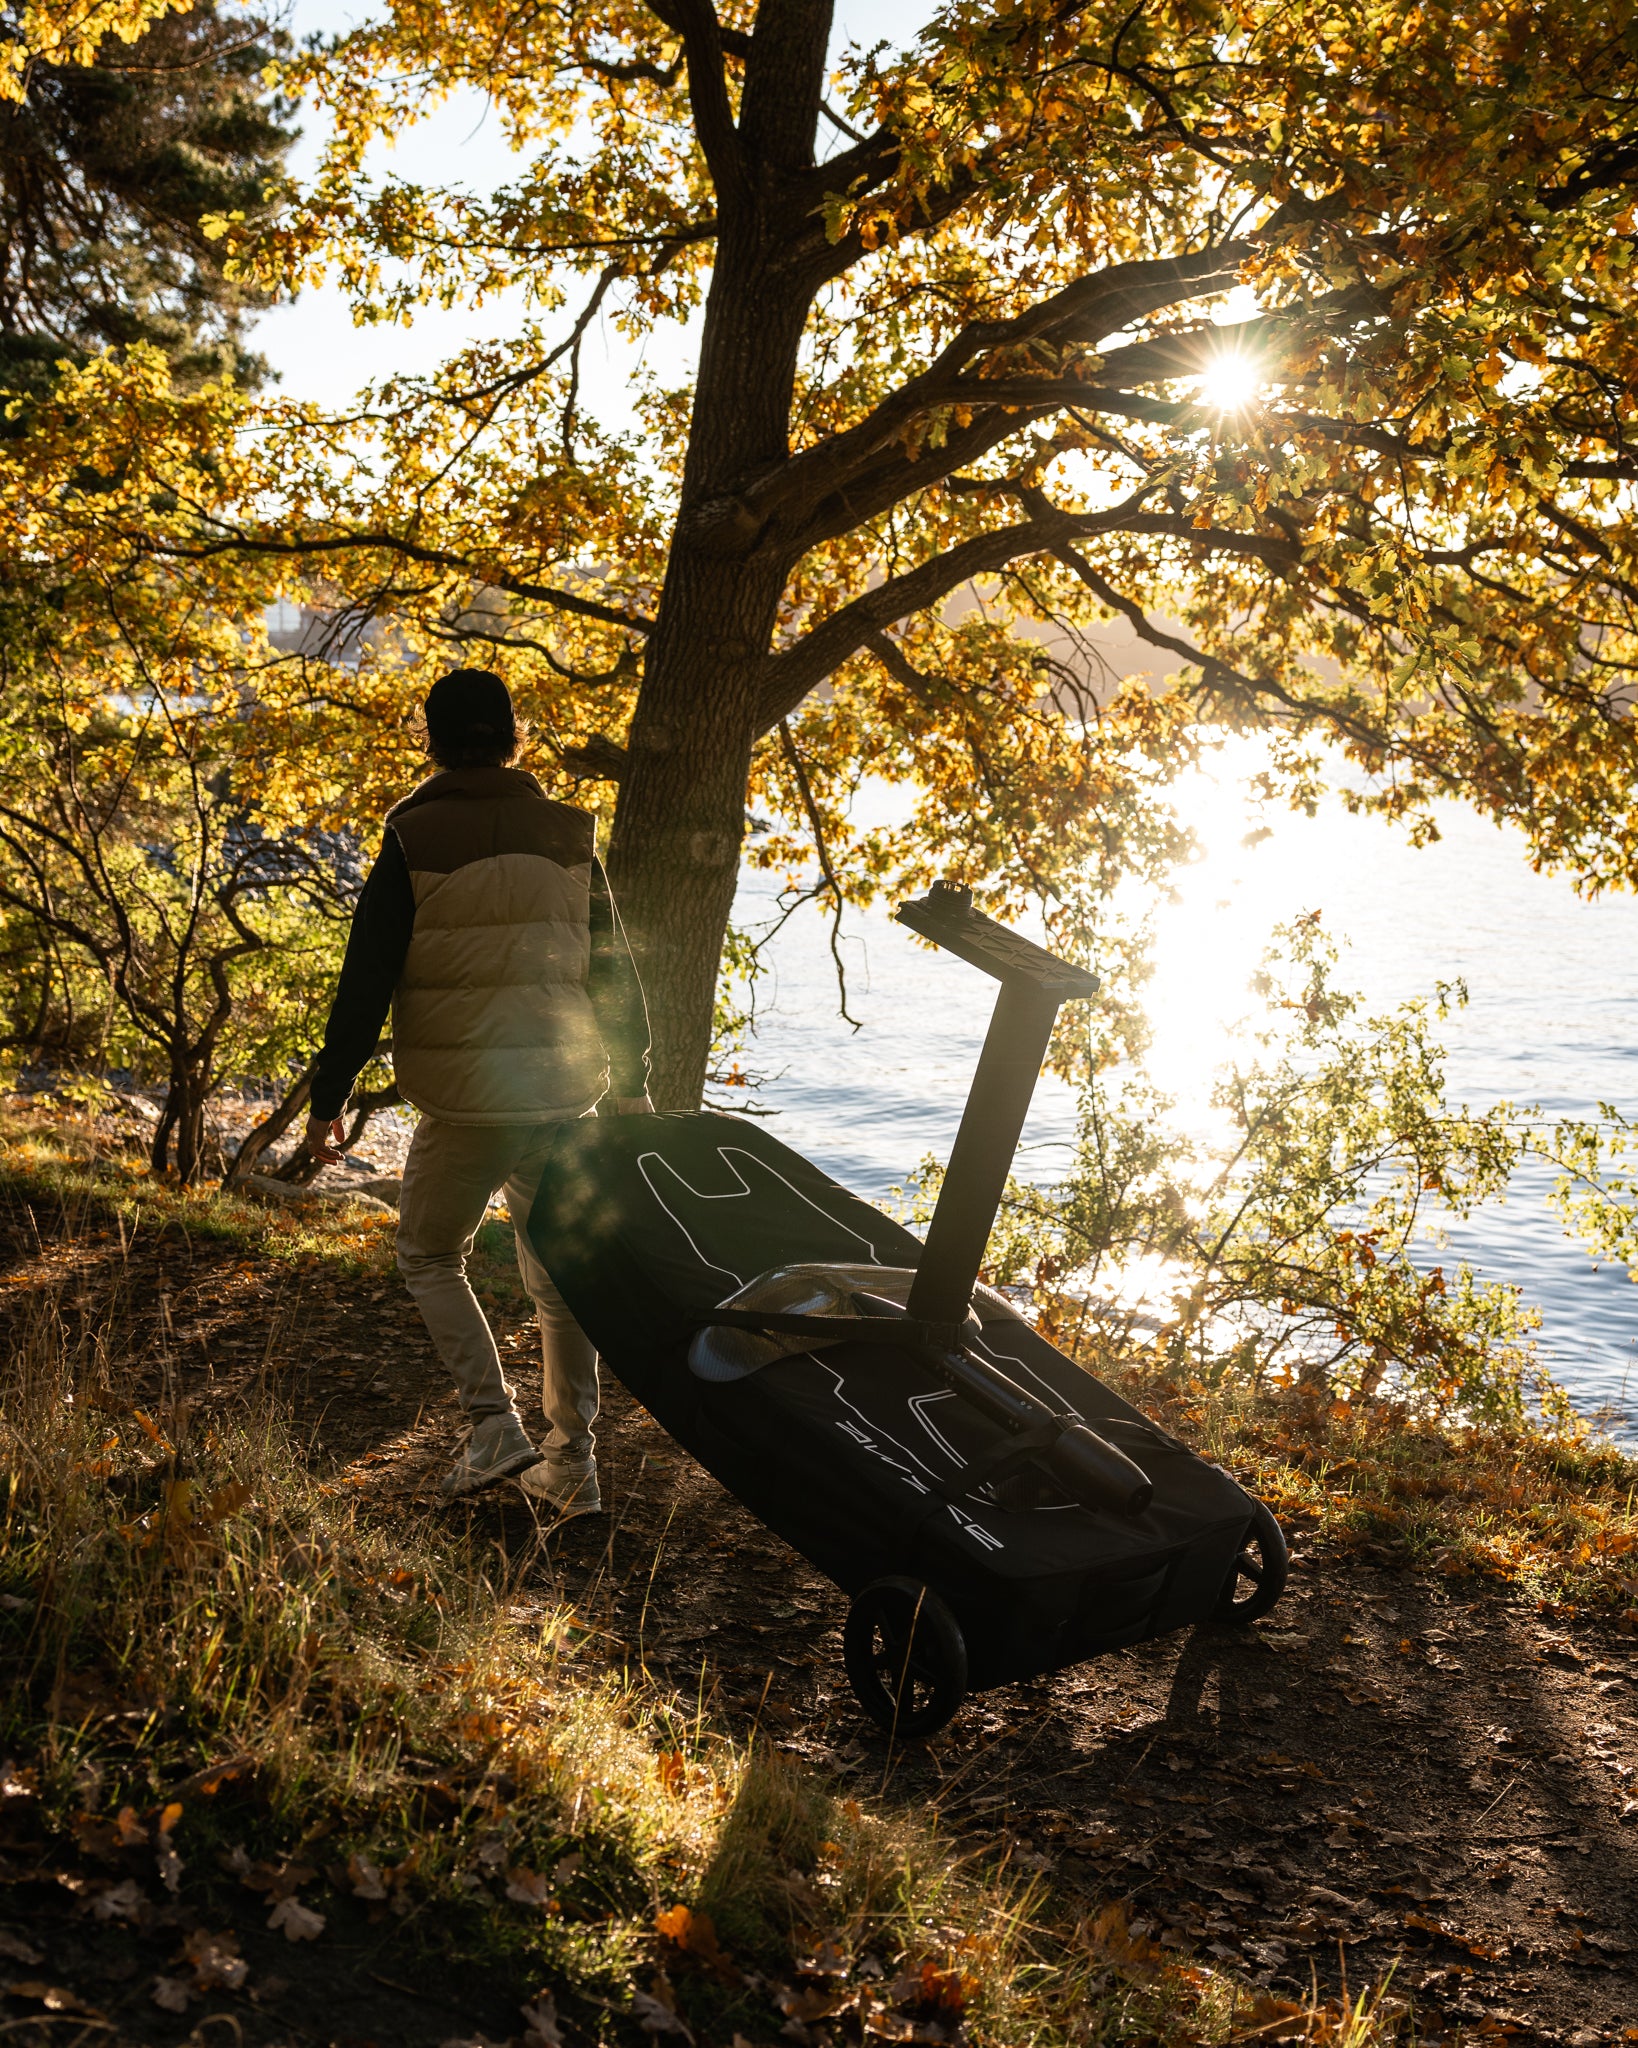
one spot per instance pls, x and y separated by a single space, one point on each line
1552 1019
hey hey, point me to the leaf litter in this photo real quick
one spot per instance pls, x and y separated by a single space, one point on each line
1276 1800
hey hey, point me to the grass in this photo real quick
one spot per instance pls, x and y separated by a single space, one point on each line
1546 1511
69 1161
239 1696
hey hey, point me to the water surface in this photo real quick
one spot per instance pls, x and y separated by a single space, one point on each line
1552 1019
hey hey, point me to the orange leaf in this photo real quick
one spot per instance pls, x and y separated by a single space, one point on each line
696 1934
152 1430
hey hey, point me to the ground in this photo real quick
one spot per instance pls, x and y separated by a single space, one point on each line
1396 1772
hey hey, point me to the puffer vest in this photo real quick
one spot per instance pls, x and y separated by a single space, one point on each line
491 1020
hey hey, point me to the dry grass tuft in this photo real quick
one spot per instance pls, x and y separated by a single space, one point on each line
1549 1511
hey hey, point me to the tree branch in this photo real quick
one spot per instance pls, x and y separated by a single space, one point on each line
719 140
599 760
1216 672
822 853
789 675
1189 354
414 551
1084 311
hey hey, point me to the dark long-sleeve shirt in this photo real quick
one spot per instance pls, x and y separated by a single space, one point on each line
383 920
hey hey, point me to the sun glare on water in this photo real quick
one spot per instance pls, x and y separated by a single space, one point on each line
1211 934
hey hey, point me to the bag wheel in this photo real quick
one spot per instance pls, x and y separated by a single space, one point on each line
906 1657
1257 1577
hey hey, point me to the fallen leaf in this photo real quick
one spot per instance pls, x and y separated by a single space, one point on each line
947 1991
696 1934
1111 1936
217 1963
297 1922
213 1777
654 2017
825 1959
540 2024
1274 2019
123 1901
170 1994
151 1431
528 1887
365 1878
280 1881
225 1501
673 1769
885 2025
52 1996
807 2002
14 1946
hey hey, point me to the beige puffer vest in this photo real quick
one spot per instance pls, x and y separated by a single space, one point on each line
491 1021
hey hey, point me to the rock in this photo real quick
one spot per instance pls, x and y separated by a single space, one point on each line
283 1194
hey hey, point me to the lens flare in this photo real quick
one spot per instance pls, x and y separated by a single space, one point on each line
1230 382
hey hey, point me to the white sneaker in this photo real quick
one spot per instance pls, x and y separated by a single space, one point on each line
568 1490
496 1449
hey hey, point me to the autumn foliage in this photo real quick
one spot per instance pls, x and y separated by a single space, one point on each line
1300 340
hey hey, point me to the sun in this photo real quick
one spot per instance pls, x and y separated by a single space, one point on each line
1230 382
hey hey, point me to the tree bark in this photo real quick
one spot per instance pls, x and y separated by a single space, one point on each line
183 1123
271 1128
680 820
674 855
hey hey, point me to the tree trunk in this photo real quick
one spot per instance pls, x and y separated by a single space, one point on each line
159 1146
271 1128
180 1132
674 855
188 1091
302 1166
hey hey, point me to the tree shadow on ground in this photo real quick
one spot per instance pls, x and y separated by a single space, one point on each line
1394 1771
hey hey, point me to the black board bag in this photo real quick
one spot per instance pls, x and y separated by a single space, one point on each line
993 1509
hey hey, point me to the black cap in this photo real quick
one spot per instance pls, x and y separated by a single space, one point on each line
470 707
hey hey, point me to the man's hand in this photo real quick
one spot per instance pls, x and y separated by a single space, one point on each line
324 1139
633 1105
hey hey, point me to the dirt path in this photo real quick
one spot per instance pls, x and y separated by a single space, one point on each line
1380 1775
1392 1771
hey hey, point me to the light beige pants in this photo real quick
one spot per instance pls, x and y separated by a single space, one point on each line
450 1177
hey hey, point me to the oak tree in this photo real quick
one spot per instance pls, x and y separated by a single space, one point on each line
1298 337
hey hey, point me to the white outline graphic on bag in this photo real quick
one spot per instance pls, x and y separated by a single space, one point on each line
962 1519
735 1195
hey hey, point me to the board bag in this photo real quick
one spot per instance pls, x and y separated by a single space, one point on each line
969 1565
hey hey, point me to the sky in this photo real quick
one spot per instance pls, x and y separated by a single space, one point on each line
320 354
313 344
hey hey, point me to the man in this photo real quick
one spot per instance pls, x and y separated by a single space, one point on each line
487 927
